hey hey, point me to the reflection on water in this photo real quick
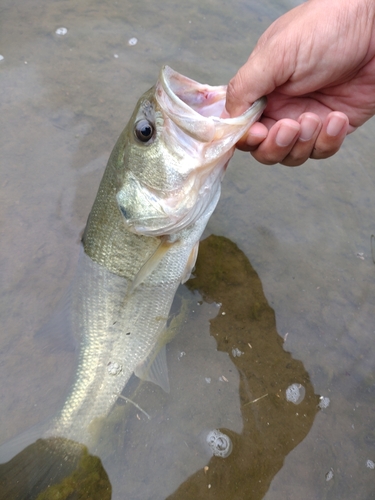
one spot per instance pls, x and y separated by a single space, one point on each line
306 231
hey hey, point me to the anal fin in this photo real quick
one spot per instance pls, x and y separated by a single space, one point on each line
154 368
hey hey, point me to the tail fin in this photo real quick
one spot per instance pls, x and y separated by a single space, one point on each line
54 468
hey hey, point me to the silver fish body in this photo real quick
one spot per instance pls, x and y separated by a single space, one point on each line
119 330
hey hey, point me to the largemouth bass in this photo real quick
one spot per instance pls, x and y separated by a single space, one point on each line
158 191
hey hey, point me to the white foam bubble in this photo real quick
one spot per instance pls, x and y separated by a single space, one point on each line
329 475
324 402
61 31
220 443
236 352
295 393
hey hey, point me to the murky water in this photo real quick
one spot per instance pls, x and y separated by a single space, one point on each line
297 293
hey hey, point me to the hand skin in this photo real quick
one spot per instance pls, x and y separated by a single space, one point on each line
316 65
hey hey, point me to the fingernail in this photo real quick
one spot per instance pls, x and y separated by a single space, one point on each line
286 135
335 125
308 128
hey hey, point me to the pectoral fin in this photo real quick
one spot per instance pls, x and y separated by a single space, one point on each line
190 263
151 263
154 368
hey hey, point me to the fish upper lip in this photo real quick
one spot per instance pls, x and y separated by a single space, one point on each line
216 93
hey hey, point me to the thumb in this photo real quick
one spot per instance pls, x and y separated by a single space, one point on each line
251 82
270 65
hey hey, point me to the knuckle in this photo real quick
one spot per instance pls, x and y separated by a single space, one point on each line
231 89
322 152
265 158
296 157
289 162
272 156
235 88
238 85
325 147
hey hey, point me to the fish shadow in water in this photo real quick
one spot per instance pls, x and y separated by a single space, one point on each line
273 426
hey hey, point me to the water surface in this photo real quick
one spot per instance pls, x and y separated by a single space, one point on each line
299 289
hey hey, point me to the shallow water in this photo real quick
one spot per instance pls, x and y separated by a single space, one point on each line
305 231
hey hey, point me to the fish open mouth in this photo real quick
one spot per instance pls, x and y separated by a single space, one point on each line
204 99
181 96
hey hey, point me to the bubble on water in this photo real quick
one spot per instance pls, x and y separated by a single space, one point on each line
132 41
236 353
324 402
370 464
114 368
329 475
295 393
61 31
220 443
1 57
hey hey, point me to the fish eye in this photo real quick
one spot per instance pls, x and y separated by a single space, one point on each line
144 130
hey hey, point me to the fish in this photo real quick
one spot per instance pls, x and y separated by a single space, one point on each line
158 191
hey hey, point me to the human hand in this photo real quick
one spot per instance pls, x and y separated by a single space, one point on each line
316 64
